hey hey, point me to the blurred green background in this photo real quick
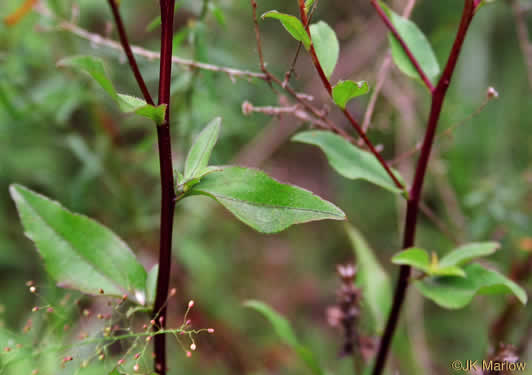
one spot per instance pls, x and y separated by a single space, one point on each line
62 136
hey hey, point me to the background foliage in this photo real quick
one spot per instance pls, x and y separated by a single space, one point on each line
62 136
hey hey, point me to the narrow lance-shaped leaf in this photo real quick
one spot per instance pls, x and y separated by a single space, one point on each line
200 152
344 91
263 203
292 24
326 46
416 42
284 330
349 160
372 278
78 252
94 67
457 292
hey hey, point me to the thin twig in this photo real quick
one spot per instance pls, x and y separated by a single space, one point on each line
127 49
328 87
98 40
382 76
403 44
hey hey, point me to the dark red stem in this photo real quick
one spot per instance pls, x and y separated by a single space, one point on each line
403 44
167 185
438 98
127 49
327 84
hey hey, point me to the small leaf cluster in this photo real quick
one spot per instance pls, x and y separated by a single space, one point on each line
452 281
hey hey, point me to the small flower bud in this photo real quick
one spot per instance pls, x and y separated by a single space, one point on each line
148 339
33 289
189 354
492 93
161 320
173 292
50 310
137 356
152 322
136 367
35 309
121 361
190 304
210 330
192 346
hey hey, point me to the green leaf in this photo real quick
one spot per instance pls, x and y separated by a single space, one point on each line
344 91
263 203
419 258
468 252
414 257
372 278
284 331
129 104
416 42
457 292
78 252
151 285
349 160
281 326
326 45
132 104
200 152
292 24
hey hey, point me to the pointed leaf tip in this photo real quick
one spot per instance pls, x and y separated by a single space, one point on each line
263 203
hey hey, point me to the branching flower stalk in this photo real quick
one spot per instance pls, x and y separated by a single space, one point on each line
166 168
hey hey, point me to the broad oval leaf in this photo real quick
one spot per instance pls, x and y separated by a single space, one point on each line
344 91
414 257
292 24
419 258
326 46
129 104
468 252
418 45
283 329
349 160
78 252
372 278
457 292
263 203
200 152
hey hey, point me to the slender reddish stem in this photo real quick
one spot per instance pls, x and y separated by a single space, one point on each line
438 98
167 185
327 84
403 44
127 49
